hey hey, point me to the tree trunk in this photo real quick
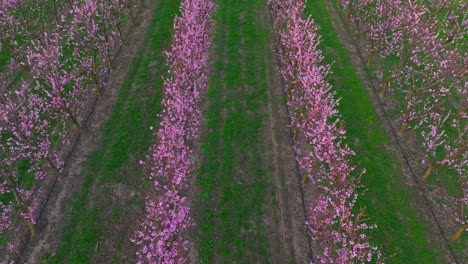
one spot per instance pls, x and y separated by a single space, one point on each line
73 119
20 204
384 88
53 167
132 17
95 75
451 157
461 204
402 128
459 232
407 114
54 4
429 171
98 88
109 60
371 58
295 134
32 227
304 178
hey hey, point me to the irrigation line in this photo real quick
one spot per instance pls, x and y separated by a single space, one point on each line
396 139
91 111
13 82
301 187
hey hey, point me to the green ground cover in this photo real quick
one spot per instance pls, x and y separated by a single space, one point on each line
5 57
233 182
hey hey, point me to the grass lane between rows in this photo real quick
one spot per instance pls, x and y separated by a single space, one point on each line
233 179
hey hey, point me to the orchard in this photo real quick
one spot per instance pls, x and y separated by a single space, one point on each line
233 131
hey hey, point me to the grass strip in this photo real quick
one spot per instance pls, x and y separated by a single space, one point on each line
232 181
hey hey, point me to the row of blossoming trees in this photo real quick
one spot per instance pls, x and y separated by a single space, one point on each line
421 46
333 222
59 54
160 236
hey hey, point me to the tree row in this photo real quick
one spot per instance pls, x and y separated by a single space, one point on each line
334 223
161 234
418 51
58 57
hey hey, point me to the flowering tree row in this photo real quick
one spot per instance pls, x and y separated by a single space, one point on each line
332 222
89 29
64 60
160 237
423 63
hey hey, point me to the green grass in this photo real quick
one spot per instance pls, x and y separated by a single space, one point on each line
126 138
388 199
232 181
5 57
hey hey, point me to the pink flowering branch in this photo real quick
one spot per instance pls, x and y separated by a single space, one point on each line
55 80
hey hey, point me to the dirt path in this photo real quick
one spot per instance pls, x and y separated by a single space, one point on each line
291 209
49 226
406 150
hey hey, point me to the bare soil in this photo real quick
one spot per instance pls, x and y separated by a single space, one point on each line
290 200
429 200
